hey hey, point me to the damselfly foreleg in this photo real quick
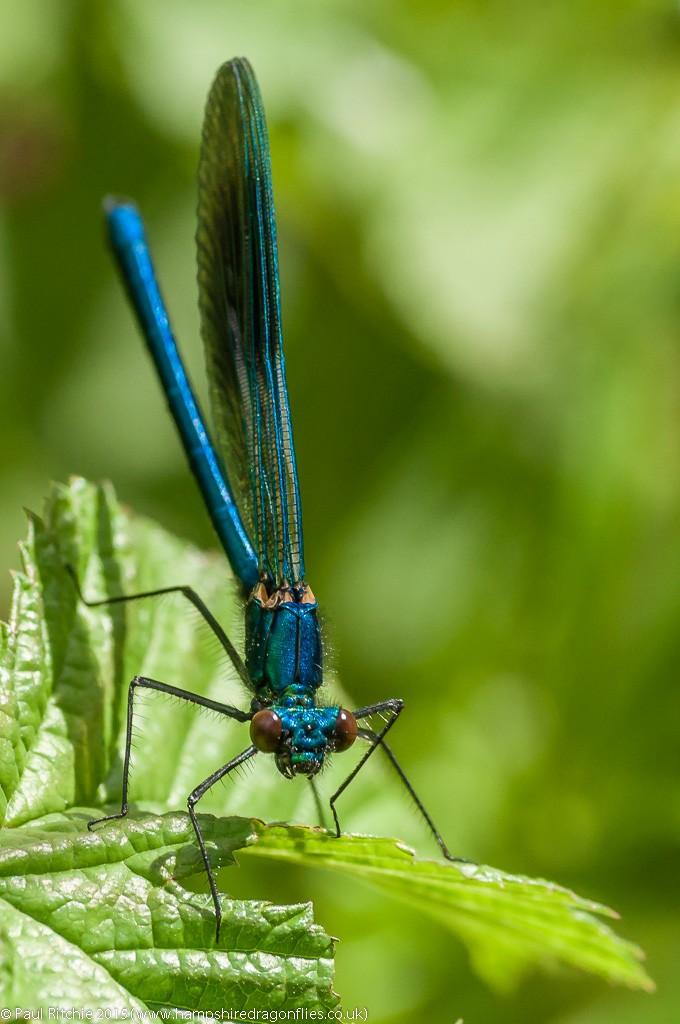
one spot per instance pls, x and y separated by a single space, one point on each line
377 739
187 592
194 797
172 691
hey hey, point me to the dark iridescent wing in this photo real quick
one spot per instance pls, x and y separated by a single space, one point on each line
241 323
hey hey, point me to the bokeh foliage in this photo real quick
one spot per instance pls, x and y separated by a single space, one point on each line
479 213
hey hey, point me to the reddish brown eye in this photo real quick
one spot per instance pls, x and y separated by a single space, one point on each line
265 730
345 731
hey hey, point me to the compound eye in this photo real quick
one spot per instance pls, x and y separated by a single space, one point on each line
265 730
345 731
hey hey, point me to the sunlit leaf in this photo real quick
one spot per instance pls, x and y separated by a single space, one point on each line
115 896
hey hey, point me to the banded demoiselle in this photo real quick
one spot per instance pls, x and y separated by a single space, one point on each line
248 478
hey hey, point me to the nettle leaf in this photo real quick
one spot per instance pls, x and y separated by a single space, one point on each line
508 921
101 919
113 900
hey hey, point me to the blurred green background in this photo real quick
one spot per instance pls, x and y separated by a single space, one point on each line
479 221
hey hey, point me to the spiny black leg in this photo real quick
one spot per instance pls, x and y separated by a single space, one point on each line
190 594
194 797
173 691
372 737
377 739
137 681
394 709
394 706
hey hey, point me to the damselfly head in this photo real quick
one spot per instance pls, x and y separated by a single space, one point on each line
302 735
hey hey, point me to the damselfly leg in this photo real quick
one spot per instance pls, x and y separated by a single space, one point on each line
391 708
142 682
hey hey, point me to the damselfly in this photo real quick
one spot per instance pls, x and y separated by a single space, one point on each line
249 479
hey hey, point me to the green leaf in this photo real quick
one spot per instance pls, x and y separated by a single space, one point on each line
37 963
102 918
107 923
509 922
114 898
